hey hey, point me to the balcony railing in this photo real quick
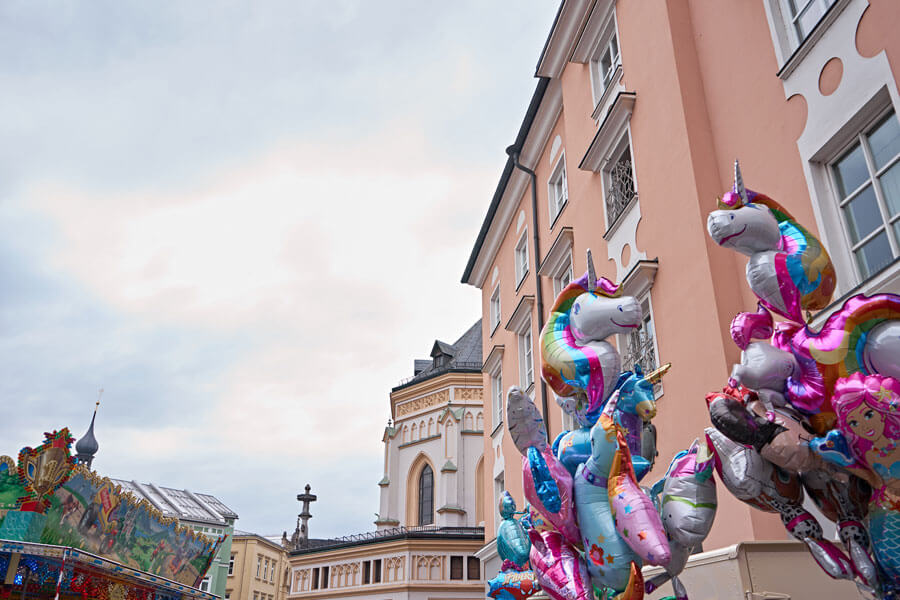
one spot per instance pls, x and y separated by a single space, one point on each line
621 189
417 532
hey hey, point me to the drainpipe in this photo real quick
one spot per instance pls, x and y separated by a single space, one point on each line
513 153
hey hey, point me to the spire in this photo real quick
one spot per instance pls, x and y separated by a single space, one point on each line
87 446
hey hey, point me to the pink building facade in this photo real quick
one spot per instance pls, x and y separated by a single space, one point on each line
639 112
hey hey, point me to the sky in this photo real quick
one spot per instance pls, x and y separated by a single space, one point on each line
243 221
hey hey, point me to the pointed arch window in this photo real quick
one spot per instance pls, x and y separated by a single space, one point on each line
426 496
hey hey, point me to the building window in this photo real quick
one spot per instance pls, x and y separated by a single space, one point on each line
227 595
495 308
324 578
272 573
255 595
558 188
605 63
456 567
315 578
258 565
473 568
497 397
376 569
522 258
564 278
426 497
231 565
640 344
367 572
526 362
619 185
499 487
266 570
804 15
867 182
204 584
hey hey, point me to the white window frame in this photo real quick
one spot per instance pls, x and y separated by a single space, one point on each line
557 188
204 584
495 309
564 276
521 258
607 44
231 565
624 340
526 357
620 147
791 20
874 175
497 397
266 570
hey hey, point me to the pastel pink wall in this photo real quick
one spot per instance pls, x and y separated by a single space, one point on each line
706 93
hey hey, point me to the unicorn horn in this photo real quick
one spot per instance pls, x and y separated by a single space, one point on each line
592 274
739 183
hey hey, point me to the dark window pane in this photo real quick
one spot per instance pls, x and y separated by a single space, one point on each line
874 255
426 496
456 567
850 171
324 577
376 576
885 141
890 186
473 568
315 578
862 215
367 571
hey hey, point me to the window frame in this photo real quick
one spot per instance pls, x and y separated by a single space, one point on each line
461 570
624 340
231 565
600 84
206 581
567 270
521 259
496 316
525 339
420 500
258 565
558 177
473 560
497 411
791 20
873 179
622 146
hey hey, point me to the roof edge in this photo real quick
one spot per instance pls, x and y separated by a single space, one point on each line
524 129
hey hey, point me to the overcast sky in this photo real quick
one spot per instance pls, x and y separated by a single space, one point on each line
244 221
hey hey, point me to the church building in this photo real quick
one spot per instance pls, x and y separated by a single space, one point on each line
430 520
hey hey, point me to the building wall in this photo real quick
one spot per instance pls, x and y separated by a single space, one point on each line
705 91
259 571
410 569
450 409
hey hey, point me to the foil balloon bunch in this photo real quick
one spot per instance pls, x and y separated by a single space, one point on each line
795 383
515 581
592 527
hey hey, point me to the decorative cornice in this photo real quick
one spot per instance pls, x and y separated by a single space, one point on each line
384 481
601 148
597 23
570 20
521 315
419 404
558 252
493 360
640 278
451 508
448 467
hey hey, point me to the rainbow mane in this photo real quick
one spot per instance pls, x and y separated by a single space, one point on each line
837 350
565 366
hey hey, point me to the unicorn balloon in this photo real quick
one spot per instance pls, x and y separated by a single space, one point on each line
577 362
687 508
789 269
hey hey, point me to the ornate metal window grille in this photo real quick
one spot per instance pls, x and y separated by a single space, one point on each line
640 350
621 187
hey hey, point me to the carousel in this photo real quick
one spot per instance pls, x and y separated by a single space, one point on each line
66 532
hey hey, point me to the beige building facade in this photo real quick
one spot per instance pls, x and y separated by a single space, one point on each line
431 511
258 569
639 112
